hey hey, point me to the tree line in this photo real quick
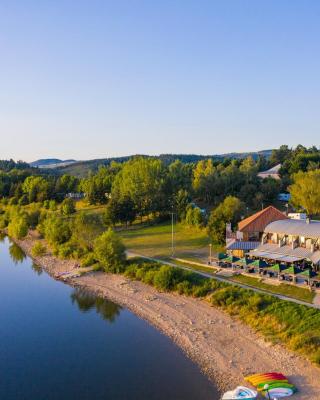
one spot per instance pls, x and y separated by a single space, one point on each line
204 193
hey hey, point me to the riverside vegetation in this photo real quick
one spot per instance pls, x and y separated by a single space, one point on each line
145 189
84 237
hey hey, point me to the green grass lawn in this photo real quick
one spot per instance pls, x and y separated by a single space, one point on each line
155 241
197 268
282 289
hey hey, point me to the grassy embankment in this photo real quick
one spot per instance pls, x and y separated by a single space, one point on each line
296 326
282 289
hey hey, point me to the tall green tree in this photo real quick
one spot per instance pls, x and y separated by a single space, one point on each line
305 191
109 251
142 180
229 211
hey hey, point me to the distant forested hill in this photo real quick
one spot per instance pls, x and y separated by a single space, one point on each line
82 168
50 163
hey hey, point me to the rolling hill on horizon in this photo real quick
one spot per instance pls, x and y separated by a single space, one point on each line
83 167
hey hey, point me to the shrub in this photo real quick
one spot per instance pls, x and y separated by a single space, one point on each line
33 217
164 278
109 251
202 290
18 226
184 287
88 260
38 250
68 207
65 250
52 205
4 220
13 201
24 200
55 230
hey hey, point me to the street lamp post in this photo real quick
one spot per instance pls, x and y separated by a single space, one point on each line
172 234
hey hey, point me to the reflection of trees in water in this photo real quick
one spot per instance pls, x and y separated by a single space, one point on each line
2 237
86 301
37 269
16 253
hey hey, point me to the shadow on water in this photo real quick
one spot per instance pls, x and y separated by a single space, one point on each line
87 301
16 253
2 237
37 269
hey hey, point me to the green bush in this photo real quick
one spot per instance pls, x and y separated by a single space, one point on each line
68 207
184 287
4 220
164 279
38 250
56 230
110 252
18 226
88 260
65 250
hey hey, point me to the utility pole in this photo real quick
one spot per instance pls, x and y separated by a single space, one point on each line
172 234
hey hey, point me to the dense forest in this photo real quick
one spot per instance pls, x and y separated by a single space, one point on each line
204 193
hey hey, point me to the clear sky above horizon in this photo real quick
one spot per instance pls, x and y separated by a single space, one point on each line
90 79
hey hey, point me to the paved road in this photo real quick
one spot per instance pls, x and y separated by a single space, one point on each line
220 278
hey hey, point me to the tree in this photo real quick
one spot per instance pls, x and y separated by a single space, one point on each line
204 180
120 210
179 176
66 184
249 169
142 180
38 250
194 216
86 228
280 155
109 251
18 226
68 207
56 230
305 191
97 187
182 199
229 211
36 188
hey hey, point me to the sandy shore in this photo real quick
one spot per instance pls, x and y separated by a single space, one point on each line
224 348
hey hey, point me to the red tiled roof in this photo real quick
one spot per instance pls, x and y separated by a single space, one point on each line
257 222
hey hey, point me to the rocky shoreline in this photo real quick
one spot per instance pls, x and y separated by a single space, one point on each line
225 349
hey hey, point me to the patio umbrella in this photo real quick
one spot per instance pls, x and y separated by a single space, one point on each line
307 273
231 259
293 270
259 264
222 256
244 261
276 268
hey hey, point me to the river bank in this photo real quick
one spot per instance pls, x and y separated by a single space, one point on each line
225 349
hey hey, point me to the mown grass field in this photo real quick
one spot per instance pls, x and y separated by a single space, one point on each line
155 241
282 289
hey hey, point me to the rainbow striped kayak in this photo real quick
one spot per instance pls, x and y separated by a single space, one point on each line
278 384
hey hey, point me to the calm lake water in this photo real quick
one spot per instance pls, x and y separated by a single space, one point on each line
60 343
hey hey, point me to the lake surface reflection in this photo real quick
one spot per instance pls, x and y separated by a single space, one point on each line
57 342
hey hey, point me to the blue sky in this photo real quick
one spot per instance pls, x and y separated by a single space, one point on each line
86 79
